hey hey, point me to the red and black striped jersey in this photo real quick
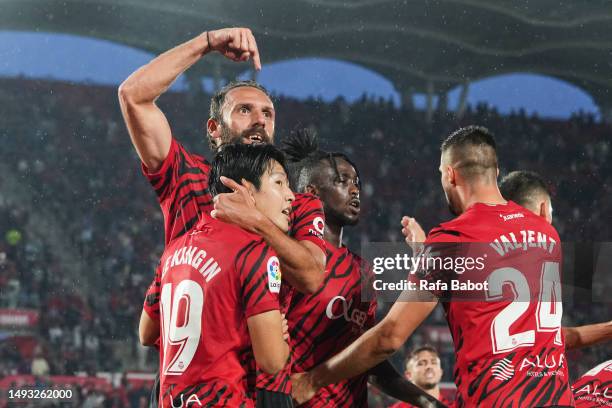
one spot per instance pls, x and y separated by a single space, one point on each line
594 388
325 322
307 223
181 186
507 334
208 283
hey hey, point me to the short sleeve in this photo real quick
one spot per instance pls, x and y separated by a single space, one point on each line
308 220
260 278
165 179
151 302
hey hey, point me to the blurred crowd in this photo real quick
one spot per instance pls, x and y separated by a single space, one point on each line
66 147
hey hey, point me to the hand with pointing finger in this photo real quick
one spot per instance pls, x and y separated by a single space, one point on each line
237 44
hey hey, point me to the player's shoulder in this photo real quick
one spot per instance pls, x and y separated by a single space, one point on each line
302 199
536 222
445 232
344 252
196 159
232 236
354 257
603 371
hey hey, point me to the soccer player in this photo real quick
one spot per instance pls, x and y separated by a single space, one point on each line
240 112
323 323
508 353
215 297
423 368
594 388
529 190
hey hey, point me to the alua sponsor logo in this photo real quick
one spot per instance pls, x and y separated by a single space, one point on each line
547 362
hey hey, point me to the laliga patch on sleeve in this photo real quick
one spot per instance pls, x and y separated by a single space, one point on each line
274 274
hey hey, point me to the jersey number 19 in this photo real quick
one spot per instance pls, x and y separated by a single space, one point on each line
181 314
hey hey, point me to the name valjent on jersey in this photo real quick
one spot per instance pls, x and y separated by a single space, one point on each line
507 243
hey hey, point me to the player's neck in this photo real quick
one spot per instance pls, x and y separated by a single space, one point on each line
434 392
333 234
487 194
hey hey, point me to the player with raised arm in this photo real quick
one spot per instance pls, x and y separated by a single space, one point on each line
323 323
215 297
240 112
529 190
508 343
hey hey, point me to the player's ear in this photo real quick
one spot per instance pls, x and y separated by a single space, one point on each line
213 129
542 210
452 175
546 211
310 189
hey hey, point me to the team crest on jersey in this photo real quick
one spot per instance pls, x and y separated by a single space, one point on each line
274 274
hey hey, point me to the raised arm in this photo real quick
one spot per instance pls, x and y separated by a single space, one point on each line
146 123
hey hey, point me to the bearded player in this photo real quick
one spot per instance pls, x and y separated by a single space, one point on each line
323 323
240 112
509 353
215 297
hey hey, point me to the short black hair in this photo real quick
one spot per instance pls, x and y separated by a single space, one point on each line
522 187
474 150
305 158
218 99
239 161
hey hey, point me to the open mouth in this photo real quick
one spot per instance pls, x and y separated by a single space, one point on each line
287 212
355 203
255 138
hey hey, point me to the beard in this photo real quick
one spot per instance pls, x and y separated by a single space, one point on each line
428 385
452 208
338 217
230 137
